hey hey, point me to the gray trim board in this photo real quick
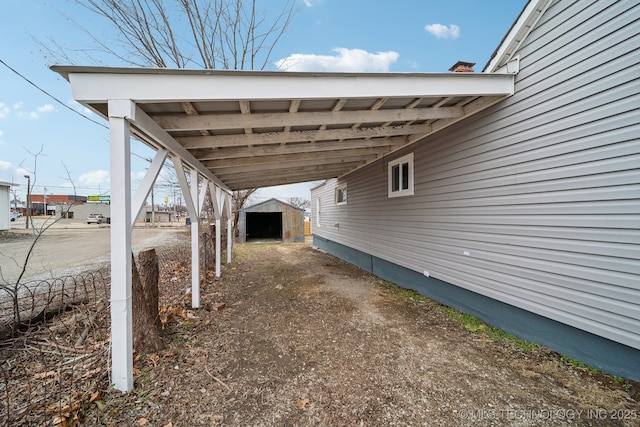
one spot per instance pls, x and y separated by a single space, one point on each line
601 353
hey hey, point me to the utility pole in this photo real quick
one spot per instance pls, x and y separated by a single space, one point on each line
15 202
26 226
153 208
175 208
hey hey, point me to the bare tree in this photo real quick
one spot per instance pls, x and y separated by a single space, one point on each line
240 198
211 34
299 202
13 287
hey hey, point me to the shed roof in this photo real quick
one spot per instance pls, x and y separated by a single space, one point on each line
249 129
272 200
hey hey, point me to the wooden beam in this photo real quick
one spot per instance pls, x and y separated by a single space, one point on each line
240 121
194 142
265 167
233 176
307 147
288 158
268 182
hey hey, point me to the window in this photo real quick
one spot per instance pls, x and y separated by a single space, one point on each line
401 176
341 194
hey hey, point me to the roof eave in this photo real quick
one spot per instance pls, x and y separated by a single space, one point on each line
514 38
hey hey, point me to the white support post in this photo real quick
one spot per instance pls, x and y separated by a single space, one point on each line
229 228
229 239
191 200
120 112
220 198
214 193
218 225
195 242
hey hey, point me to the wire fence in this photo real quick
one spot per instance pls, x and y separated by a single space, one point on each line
55 341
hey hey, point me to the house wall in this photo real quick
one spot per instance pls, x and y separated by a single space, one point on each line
527 210
292 220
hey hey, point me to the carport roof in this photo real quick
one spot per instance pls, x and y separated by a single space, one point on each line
248 129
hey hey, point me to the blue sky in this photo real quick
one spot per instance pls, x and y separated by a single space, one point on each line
326 35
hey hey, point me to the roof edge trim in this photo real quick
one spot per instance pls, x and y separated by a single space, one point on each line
516 35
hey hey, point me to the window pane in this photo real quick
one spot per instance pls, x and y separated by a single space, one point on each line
405 176
341 195
395 178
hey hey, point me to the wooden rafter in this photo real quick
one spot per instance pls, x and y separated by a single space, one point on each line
235 121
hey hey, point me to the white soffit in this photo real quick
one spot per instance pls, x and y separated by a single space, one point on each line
256 129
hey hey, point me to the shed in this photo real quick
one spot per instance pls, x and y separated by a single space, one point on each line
272 219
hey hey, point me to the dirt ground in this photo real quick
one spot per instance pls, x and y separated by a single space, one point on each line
304 339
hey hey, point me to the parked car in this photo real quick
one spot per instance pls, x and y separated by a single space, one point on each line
15 215
96 219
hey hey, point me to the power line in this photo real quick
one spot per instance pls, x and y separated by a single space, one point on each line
16 72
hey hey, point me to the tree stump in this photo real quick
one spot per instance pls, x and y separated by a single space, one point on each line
147 327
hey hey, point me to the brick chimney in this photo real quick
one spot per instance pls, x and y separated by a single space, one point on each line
462 67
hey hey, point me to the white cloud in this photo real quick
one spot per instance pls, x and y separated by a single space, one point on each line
442 31
10 172
35 114
355 60
47 108
4 110
94 178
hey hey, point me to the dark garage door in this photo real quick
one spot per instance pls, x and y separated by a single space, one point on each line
264 225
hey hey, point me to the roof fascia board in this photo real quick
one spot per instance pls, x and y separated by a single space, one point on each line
516 35
96 87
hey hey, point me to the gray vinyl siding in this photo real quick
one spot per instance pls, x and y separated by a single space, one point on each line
542 190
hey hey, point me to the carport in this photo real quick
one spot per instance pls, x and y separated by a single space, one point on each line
232 130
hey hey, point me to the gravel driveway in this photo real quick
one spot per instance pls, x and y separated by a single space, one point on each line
66 247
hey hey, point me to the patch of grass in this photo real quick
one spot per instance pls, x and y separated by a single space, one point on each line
469 322
524 345
475 325
405 293
624 383
578 364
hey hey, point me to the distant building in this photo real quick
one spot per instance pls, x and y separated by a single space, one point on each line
5 206
45 204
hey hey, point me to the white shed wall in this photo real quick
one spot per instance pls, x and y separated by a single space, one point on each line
5 207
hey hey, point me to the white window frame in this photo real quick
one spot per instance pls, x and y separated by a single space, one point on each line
341 194
391 168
